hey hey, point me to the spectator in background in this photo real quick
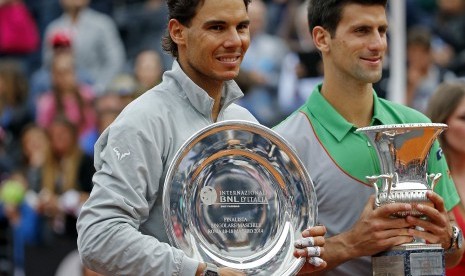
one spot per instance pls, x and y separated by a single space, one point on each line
41 79
423 74
260 69
126 87
145 32
68 97
35 147
19 36
302 68
22 218
449 26
14 112
447 106
277 11
66 179
148 70
287 27
96 42
121 92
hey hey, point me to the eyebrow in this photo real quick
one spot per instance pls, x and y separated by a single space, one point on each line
220 22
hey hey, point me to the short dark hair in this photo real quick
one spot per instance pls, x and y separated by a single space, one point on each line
183 11
328 13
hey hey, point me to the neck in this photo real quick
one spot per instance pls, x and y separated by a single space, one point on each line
216 105
354 101
213 90
212 87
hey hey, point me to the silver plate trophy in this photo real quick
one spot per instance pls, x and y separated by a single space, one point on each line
236 195
403 151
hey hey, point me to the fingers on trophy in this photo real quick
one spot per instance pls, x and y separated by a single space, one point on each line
310 247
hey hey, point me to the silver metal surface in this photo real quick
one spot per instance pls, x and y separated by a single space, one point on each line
403 151
236 195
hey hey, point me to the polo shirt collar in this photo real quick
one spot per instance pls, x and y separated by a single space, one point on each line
198 97
331 120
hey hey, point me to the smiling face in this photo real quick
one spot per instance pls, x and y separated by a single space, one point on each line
212 47
357 48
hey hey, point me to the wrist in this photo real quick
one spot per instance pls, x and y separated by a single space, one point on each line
200 269
456 239
208 269
339 249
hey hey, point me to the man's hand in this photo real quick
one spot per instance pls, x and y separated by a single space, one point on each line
437 229
311 247
377 230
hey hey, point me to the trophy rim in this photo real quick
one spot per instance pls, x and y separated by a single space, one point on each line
256 129
403 126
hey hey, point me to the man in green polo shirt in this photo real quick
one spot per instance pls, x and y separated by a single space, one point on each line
351 36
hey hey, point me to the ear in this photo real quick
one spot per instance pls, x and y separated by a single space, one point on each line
321 38
176 30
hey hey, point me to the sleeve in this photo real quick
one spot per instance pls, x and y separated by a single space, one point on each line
445 187
129 169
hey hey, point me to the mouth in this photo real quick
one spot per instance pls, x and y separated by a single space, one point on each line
228 59
373 60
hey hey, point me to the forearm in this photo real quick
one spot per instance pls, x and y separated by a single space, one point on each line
338 251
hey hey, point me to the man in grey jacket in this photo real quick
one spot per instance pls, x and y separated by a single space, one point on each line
121 229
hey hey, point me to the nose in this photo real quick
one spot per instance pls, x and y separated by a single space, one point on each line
233 39
378 41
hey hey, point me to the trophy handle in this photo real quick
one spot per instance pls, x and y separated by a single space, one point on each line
373 181
434 179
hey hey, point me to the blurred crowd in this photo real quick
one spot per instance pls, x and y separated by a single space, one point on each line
68 67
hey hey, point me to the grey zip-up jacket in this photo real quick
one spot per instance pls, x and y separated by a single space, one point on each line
121 229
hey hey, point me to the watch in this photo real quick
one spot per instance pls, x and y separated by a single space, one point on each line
210 270
456 239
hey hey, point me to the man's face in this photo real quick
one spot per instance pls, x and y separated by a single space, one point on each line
359 44
214 45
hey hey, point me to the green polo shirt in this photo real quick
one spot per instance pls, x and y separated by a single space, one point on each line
344 144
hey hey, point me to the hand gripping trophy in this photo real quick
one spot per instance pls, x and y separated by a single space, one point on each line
403 151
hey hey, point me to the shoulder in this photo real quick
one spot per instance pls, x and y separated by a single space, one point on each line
238 112
400 113
295 128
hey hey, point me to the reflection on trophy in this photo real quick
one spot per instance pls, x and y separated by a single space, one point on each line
403 151
237 196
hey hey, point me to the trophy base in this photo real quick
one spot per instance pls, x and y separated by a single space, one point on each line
410 260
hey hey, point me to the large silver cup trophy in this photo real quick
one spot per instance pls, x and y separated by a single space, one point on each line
236 195
403 151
